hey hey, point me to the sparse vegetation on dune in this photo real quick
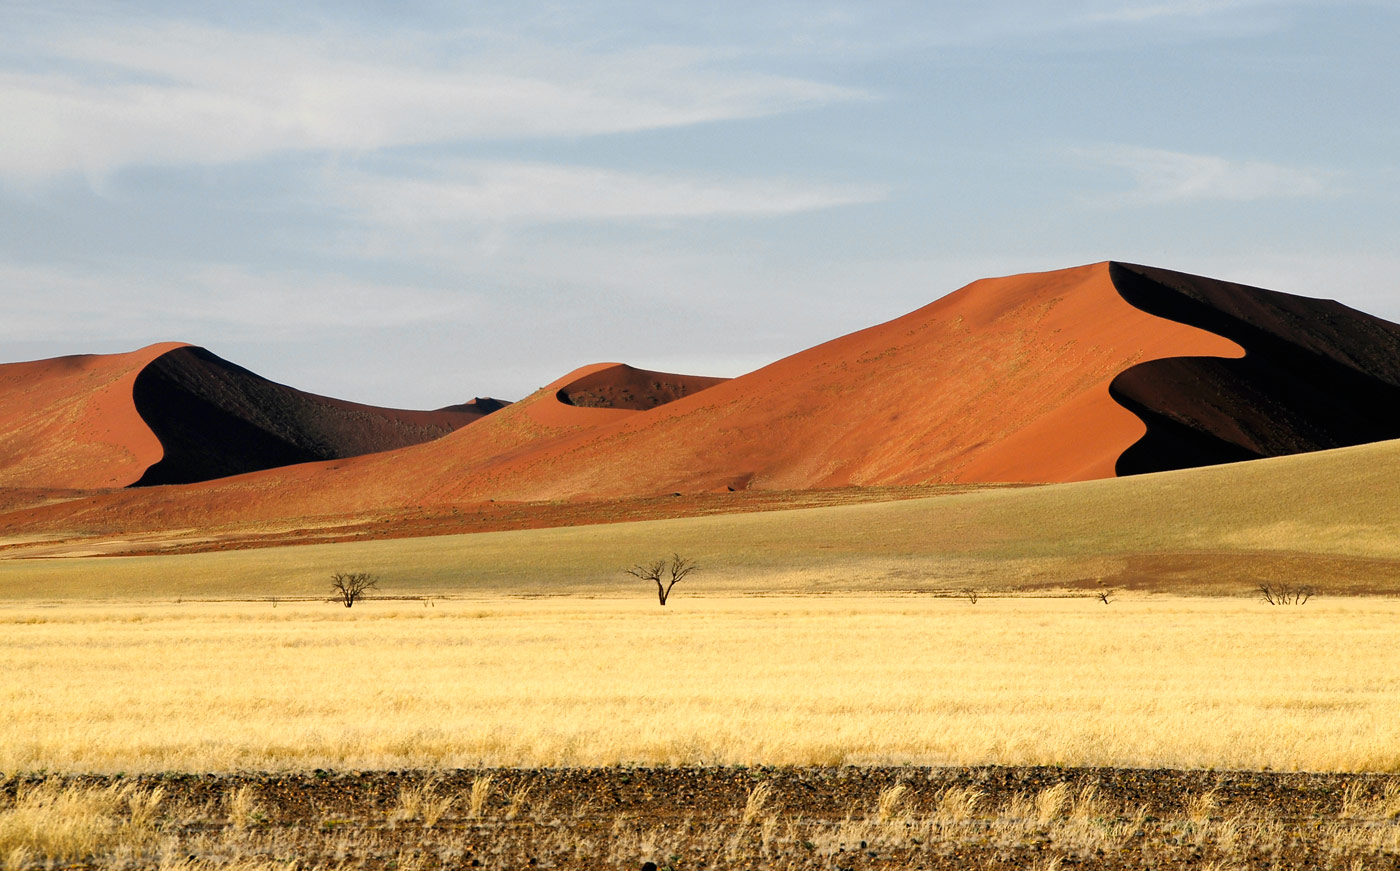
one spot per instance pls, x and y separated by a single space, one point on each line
1150 681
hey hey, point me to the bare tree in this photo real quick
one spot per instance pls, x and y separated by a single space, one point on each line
1282 594
665 573
1104 596
350 587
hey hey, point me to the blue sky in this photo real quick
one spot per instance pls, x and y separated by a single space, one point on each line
413 204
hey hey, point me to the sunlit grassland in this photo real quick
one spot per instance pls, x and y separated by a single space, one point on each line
1144 681
1326 519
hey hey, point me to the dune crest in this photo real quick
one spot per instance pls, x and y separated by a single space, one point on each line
69 421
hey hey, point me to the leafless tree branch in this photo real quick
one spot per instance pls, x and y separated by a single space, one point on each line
350 587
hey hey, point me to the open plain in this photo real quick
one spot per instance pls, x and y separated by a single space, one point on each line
841 731
793 680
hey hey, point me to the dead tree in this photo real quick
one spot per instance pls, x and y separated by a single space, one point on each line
664 573
350 587
1104 596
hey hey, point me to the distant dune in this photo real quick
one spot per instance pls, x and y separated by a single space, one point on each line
173 413
1084 373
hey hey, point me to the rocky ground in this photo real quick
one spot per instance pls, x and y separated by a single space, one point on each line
692 818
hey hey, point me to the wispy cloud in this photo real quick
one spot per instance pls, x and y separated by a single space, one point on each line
504 192
1139 13
180 93
164 302
1161 176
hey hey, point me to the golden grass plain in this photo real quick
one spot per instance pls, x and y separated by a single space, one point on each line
1150 681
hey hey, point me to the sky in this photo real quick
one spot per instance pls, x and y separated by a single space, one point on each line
411 204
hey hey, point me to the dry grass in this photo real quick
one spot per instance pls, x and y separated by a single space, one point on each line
242 808
479 795
51 821
1147 682
958 803
754 805
518 797
422 803
889 808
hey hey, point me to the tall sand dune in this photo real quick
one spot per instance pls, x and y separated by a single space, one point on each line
174 413
1004 380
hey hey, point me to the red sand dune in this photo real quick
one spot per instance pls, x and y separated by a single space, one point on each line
1032 378
174 413
1006 380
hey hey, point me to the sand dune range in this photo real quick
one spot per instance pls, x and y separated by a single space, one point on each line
1090 372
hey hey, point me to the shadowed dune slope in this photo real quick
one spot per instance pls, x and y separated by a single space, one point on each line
176 413
622 386
1315 375
216 419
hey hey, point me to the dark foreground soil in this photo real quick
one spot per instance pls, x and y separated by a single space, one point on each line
692 818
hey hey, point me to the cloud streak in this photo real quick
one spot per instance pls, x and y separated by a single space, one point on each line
1145 13
1161 176
179 93
508 192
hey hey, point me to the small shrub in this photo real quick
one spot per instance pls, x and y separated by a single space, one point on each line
1282 594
